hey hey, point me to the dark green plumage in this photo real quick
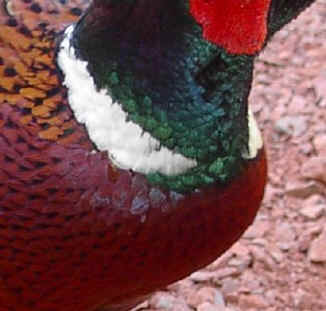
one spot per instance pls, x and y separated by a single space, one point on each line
186 92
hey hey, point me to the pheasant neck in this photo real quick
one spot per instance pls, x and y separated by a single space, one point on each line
188 94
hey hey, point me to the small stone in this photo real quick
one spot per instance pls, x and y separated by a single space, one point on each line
315 168
306 148
285 236
240 250
314 229
251 283
220 262
317 250
241 257
301 299
319 85
219 299
202 276
252 301
241 263
206 306
271 296
271 194
275 253
305 238
233 299
260 255
260 242
230 286
302 189
164 300
313 207
257 230
297 104
205 294
226 272
291 125
180 305
320 144
181 286
304 242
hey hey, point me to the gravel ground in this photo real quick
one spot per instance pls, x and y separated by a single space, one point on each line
280 263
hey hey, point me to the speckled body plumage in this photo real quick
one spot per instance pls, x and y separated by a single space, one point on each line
77 233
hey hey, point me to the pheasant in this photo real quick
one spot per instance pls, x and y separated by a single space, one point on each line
129 157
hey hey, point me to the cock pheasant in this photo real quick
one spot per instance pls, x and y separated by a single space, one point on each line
129 158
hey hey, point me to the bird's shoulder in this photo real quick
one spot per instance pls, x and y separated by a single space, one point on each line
29 79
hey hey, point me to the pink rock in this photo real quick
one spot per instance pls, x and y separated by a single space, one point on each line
257 230
239 249
230 286
206 306
302 299
259 254
164 300
315 168
285 235
320 144
252 301
275 253
319 85
304 242
314 229
241 259
313 207
301 189
291 125
202 276
205 294
317 250
226 272
181 286
271 194
306 148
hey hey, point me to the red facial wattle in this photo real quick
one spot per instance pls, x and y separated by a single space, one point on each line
239 26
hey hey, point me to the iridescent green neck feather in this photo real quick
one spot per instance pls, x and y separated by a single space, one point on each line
186 92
